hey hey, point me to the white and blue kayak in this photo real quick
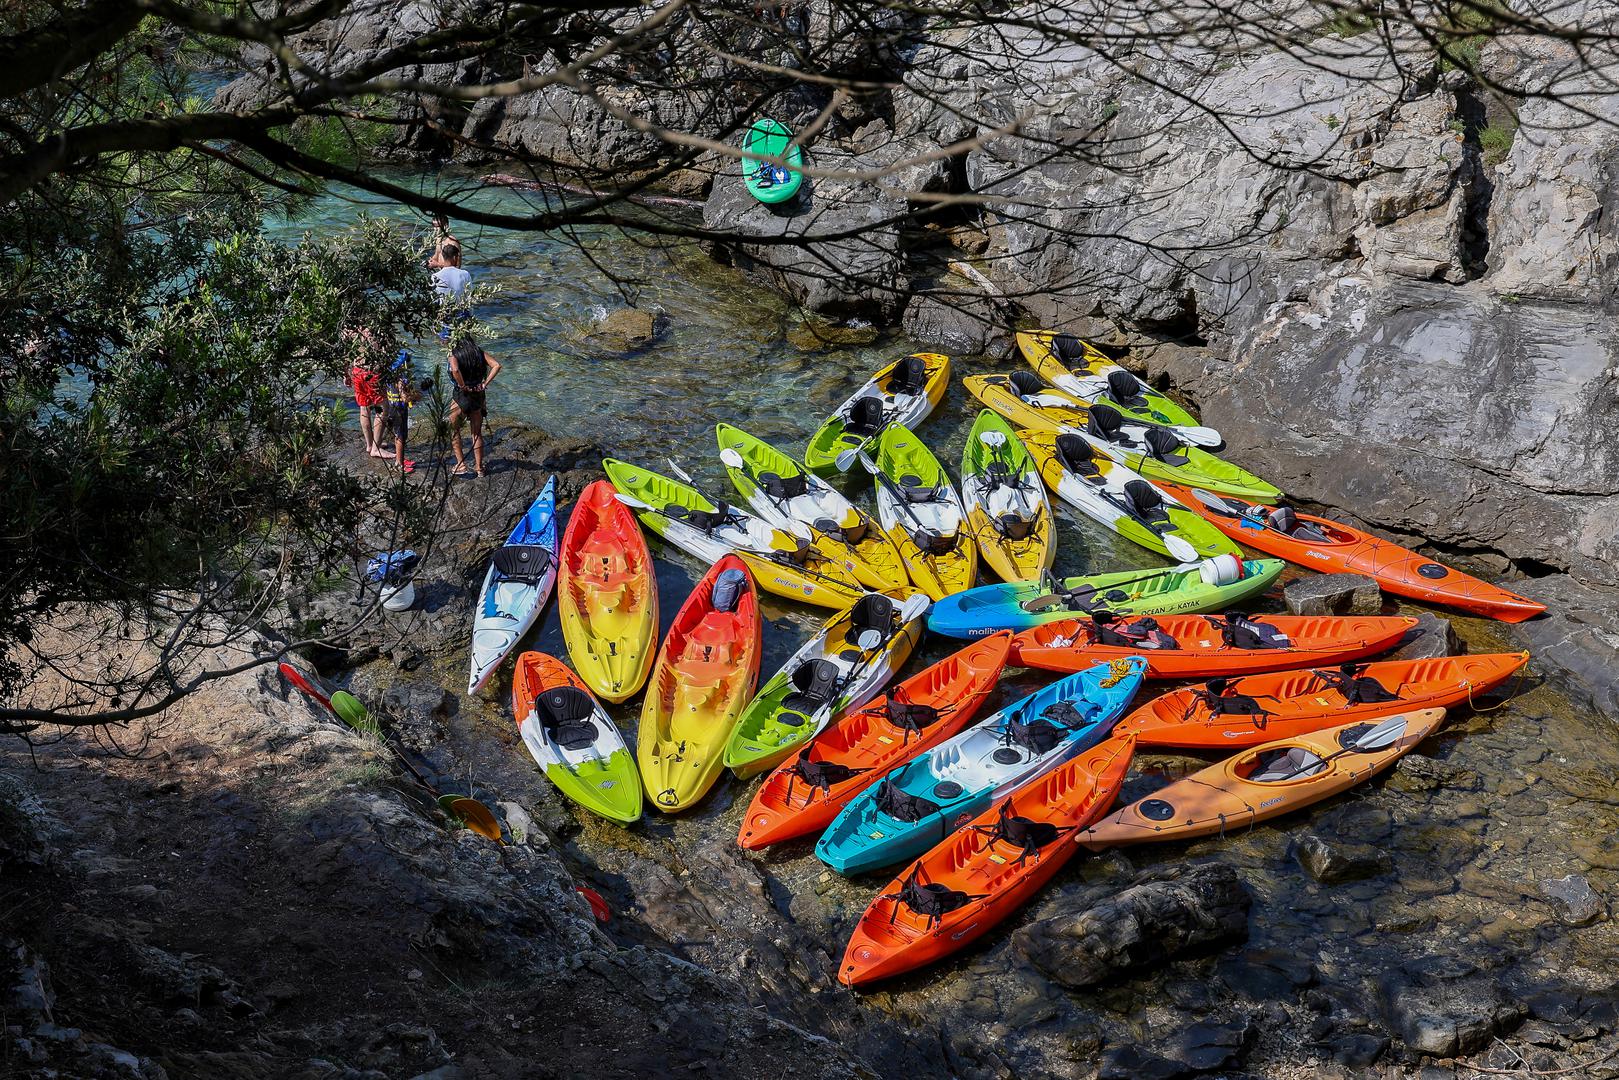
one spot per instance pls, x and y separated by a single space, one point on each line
521 574
923 801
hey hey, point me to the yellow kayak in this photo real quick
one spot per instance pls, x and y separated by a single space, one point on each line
608 595
922 514
705 675
1027 402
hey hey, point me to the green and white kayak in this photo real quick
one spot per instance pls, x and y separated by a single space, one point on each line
768 181
1212 585
1085 478
781 491
841 668
922 514
1159 454
1005 501
903 392
572 739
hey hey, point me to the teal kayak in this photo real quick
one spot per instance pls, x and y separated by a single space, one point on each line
768 181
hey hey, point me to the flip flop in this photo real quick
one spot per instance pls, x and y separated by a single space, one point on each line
407 466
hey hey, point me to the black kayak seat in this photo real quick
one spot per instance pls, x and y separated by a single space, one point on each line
1125 388
1146 502
865 416
527 563
815 682
1163 445
565 713
910 376
1026 383
1077 456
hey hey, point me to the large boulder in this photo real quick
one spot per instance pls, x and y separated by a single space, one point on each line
1160 914
1443 1007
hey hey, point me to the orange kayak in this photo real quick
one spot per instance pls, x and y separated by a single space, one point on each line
607 594
1222 713
1331 546
808 790
983 872
1265 781
1201 647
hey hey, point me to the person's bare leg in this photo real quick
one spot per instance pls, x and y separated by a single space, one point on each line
455 440
366 434
379 427
476 420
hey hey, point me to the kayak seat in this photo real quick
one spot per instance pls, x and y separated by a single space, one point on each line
1078 457
1026 383
1126 389
910 716
527 563
932 900
874 611
901 805
565 713
1107 423
783 487
997 474
910 377
706 520
1274 766
608 595
1163 445
1070 350
707 656
865 417
815 683
1285 520
1238 631
1147 503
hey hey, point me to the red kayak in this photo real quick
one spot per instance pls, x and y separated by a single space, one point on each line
1197 646
985 871
808 790
1333 547
1258 709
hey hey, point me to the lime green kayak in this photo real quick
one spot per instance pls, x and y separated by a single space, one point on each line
1005 501
903 392
831 673
1158 453
1213 585
767 181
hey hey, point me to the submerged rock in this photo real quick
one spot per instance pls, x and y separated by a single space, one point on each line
1333 594
1160 914
1442 1007
1577 903
1331 861
629 329
1430 639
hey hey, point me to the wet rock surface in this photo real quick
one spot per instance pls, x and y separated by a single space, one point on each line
1157 917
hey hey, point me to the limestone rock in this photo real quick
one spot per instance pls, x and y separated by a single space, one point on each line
629 329
961 325
1160 914
1333 594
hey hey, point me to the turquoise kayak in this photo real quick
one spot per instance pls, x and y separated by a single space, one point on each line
923 801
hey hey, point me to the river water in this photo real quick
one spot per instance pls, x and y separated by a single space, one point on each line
1524 792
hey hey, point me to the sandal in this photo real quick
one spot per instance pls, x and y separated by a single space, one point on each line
407 466
460 470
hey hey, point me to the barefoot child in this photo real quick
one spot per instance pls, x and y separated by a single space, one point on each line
402 394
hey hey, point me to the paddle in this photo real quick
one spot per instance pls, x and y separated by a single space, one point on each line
846 459
1377 738
1220 505
349 709
732 517
1178 549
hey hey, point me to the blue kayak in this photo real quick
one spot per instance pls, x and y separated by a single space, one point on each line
518 583
923 801
1211 585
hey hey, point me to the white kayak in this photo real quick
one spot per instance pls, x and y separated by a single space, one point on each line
521 575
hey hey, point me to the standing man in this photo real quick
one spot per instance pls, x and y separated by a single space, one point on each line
366 380
449 280
472 370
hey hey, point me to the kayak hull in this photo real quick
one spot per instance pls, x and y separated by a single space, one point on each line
902 457
989 609
1225 798
1008 512
771 139
867 743
1297 702
964 776
1318 641
776 724
1349 550
607 595
1089 374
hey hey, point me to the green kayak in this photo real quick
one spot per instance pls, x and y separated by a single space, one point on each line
841 668
767 181
1214 585
1159 454
903 392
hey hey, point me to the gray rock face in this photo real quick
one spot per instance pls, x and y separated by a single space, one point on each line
957 324
1159 915
1333 594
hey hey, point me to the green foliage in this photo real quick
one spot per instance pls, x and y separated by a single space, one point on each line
1495 140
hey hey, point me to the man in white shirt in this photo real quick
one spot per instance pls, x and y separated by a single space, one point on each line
449 280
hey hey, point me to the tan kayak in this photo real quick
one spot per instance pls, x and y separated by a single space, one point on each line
1265 781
